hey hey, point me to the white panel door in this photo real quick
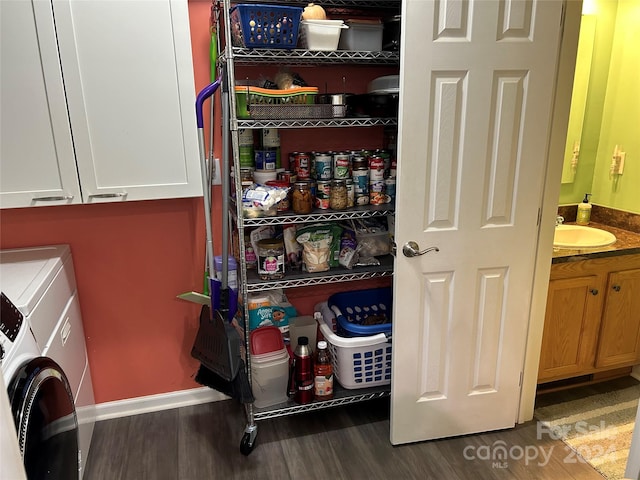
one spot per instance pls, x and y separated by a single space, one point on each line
37 162
130 88
477 81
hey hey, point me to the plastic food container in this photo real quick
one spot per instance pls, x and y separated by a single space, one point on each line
388 84
362 35
321 34
270 378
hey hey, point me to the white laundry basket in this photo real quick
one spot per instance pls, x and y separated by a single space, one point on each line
359 362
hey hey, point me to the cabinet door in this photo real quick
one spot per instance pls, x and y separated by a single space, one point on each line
620 332
129 81
570 327
37 164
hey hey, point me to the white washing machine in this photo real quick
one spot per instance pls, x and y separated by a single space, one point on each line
45 365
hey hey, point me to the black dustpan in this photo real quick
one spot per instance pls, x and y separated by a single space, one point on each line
217 344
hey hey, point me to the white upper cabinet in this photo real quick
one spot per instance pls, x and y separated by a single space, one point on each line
129 91
37 163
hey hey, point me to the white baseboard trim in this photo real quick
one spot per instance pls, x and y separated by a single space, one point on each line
635 372
156 403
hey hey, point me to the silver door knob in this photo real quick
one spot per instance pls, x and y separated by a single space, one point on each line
412 249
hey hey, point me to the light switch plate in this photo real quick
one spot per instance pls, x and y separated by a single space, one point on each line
622 156
217 179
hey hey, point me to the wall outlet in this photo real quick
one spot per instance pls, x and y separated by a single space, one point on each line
216 178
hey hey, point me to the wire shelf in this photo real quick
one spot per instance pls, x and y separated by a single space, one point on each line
313 123
245 56
335 275
342 397
318 215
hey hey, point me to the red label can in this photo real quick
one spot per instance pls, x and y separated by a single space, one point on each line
376 168
302 165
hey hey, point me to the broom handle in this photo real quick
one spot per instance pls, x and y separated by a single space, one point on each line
205 93
224 175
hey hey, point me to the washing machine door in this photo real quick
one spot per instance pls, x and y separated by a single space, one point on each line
45 417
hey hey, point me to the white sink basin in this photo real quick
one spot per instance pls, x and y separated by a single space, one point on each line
578 236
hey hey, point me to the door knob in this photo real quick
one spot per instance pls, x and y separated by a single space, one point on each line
594 291
616 288
412 249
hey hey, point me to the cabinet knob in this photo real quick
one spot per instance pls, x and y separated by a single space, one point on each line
616 288
594 291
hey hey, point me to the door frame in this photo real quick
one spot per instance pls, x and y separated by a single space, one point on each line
549 203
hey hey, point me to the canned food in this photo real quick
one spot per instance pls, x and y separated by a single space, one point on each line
358 162
376 192
270 137
302 165
270 259
287 176
350 193
265 159
390 188
245 150
341 165
322 163
386 157
361 181
246 177
376 168
323 194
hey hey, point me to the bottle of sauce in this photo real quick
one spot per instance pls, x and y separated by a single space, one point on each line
303 372
323 373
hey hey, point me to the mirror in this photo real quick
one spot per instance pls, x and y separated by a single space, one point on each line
579 97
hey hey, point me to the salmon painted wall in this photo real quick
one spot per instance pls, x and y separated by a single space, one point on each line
131 259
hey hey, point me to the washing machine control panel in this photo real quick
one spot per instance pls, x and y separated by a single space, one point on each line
10 318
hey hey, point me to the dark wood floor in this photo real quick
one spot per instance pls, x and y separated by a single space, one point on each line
349 442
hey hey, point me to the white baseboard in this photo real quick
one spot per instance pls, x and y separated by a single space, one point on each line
635 372
156 403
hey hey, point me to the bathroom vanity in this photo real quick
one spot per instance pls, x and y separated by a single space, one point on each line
592 322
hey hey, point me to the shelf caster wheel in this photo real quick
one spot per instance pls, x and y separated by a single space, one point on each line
247 444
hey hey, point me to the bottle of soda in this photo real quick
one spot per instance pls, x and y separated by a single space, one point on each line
323 373
302 372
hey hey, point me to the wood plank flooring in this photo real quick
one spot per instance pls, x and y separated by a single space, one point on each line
348 442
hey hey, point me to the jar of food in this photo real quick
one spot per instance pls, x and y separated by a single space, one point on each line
271 259
338 199
302 198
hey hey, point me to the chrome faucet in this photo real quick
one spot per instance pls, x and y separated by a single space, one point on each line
559 220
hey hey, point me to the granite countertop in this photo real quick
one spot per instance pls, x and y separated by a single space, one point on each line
626 243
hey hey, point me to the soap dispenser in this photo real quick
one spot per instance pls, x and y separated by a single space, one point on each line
584 211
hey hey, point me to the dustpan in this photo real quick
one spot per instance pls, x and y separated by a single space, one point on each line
217 345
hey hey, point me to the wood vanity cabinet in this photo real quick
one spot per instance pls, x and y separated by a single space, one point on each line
620 328
592 321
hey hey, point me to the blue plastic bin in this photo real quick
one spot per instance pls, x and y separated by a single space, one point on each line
352 309
255 25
